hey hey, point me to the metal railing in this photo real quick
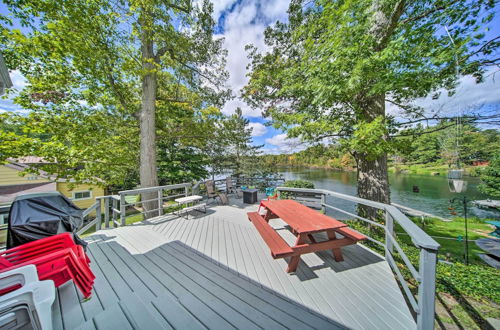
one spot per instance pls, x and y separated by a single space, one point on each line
423 305
115 209
258 182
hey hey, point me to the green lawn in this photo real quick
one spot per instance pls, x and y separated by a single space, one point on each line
447 234
426 169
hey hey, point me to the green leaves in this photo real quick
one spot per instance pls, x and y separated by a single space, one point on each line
370 138
326 67
490 178
83 63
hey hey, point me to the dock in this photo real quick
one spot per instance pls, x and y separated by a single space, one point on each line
487 204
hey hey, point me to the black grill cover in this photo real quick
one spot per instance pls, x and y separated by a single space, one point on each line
35 216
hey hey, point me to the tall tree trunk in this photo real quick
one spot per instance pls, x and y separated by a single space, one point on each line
373 181
148 167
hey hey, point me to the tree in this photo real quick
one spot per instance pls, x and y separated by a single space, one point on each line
448 144
241 153
229 146
331 69
83 146
111 55
490 178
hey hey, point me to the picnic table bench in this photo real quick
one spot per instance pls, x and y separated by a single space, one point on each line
304 222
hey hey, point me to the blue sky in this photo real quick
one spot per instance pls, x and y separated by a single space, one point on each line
242 22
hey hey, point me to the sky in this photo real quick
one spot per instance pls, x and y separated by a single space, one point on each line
242 22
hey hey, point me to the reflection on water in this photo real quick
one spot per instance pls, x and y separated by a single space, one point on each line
434 196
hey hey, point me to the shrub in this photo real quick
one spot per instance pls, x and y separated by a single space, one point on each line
295 184
299 184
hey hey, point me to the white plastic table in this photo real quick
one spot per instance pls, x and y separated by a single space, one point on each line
194 199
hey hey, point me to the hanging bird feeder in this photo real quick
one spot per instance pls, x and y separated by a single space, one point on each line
456 182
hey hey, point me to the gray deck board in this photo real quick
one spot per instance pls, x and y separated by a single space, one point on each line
285 312
71 310
175 315
214 271
204 290
57 323
112 319
183 286
233 301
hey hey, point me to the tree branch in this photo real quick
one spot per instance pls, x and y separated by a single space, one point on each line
428 12
472 118
179 8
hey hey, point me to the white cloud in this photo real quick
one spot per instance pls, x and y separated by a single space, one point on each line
18 80
258 129
18 83
469 96
282 144
244 25
220 6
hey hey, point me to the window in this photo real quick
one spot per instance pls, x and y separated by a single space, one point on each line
78 195
31 178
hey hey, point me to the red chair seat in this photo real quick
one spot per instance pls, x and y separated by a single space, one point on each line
56 258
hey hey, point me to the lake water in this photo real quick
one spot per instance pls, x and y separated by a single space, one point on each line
434 196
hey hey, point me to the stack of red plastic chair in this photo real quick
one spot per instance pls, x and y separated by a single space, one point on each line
56 258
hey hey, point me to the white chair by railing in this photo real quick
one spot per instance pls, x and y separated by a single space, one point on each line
31 304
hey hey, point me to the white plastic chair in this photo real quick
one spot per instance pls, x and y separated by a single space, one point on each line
33 299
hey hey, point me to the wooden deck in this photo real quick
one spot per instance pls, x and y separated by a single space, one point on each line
214 271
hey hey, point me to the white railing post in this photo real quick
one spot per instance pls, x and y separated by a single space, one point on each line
113 211
106 212
323 202
98 214
160 202
122 210
427 289
389 230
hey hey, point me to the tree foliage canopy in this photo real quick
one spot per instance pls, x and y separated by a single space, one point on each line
490 178
331 61
84 62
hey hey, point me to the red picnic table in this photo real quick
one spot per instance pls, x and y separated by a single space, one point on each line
304 222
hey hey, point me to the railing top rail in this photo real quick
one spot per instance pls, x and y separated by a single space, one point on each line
419 237
90 209
150 189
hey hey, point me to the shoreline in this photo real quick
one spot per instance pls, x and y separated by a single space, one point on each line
441 170
401 169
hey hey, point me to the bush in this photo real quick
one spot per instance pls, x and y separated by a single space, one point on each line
299 184
295 184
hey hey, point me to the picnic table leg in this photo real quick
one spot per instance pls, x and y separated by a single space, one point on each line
311 238
269 215
294 261
337 253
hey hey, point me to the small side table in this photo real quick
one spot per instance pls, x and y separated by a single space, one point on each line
250 196
195 205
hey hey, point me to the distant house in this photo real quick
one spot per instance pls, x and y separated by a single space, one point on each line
12 183
5 81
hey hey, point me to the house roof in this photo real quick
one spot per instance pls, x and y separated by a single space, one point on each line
23 163
15 165
31 160
5 81
9 193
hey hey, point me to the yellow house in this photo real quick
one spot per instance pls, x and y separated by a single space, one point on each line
12 183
